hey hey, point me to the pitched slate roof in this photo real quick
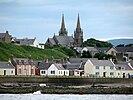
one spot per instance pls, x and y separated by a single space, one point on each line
44 66
59 66
103 49
72 66
93 49
124 49
64 40
6 65
25 41
97 62
77 60
23 61
52 41
78 49
124 65
2 35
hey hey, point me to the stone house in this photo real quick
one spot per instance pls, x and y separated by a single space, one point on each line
126 52
108 50
123 69
5 37
23 66
76 66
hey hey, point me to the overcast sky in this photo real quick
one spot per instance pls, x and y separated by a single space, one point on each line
100 19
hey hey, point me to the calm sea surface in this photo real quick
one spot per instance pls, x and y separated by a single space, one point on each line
63 97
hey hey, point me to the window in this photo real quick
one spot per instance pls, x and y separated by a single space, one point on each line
32 71
111 73
103 67
111 67
123 68
119 68
97 73
52 72
12 71
97 67
43 72
19 71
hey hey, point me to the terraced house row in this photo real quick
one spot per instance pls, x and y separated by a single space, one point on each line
71 67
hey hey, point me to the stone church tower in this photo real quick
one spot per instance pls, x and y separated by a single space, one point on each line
63 31
78 34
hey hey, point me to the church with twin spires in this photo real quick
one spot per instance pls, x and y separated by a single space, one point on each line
63 39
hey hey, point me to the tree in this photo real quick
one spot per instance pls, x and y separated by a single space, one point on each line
103 56
120 45
129 45
96 43
86 54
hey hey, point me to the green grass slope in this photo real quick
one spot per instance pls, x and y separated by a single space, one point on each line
7 50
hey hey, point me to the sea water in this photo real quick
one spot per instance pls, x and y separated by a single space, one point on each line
64 97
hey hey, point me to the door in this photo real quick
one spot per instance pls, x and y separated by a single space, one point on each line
104 74
123 75
4 72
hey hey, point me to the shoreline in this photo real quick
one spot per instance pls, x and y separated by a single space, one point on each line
51 90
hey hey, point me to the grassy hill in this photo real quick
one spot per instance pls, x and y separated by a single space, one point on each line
7 50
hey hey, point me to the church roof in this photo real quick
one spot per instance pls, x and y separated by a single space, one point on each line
64 40
52 41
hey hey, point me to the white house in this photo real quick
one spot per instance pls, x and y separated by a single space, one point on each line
6 68
29 42
123 69
99 68
108 50
106 68
53 69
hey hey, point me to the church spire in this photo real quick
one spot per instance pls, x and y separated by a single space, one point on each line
63 31
78 34
78 23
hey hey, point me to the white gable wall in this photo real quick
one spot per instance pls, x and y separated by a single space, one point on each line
7 71
53 71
